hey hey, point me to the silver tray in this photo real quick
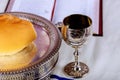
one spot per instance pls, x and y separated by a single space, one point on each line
43 64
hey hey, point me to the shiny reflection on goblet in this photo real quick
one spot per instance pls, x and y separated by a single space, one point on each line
75 30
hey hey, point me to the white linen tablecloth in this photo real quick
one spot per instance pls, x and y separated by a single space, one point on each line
101 54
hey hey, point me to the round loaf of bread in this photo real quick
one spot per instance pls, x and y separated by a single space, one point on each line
15 34
17 49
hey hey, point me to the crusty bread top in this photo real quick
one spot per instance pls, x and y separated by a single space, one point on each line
15 34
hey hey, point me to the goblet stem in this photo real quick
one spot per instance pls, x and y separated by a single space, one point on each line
76 69
76 55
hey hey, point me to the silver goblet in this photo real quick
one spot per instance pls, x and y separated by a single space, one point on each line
75 30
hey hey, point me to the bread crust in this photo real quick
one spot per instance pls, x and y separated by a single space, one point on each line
15 34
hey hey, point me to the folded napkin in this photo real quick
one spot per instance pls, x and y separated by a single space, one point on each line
57 10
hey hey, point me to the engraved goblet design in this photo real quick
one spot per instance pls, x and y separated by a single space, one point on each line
75 30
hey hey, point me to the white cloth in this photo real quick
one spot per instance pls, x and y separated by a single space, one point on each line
38 8
101 54
3 4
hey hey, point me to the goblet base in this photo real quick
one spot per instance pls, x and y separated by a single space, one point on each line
70 70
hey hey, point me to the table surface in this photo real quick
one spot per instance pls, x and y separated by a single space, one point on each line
101 54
